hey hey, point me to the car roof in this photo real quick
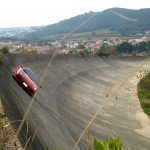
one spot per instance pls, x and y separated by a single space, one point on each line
31 74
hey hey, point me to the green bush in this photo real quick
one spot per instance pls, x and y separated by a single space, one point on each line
108 144
5 50
143 89
29 52
81 53
102 54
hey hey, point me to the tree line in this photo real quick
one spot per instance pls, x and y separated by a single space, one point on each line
125 47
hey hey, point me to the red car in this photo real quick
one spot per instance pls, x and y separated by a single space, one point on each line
27 79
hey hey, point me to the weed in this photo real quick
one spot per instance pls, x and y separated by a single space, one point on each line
143 89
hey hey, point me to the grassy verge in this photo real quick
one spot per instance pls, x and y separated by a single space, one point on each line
143 89
108 144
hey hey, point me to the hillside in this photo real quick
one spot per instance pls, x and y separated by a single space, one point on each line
124 21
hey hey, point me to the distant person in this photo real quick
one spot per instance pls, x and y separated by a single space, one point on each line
116 97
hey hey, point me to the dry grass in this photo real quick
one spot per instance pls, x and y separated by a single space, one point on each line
8 139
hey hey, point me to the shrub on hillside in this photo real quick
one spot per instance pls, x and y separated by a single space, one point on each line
5 50
102 54
143 89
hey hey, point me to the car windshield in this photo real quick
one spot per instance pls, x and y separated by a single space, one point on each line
31 75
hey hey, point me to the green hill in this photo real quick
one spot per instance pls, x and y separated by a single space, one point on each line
124 21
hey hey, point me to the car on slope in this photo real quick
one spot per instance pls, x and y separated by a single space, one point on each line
27 79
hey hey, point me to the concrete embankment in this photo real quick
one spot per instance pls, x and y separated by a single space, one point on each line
73 89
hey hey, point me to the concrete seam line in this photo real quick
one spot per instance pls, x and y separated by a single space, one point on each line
107 100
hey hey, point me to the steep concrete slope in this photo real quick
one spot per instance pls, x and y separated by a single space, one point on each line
73 90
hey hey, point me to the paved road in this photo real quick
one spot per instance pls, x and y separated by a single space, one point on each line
73 90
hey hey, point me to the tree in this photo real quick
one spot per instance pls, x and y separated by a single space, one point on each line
81 46
125 47
5 50
93 33
84 52
102 54
143 46
104 47
111 50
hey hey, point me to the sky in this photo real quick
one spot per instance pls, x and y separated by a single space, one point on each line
22 13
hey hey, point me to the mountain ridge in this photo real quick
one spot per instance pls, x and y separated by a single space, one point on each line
121 20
